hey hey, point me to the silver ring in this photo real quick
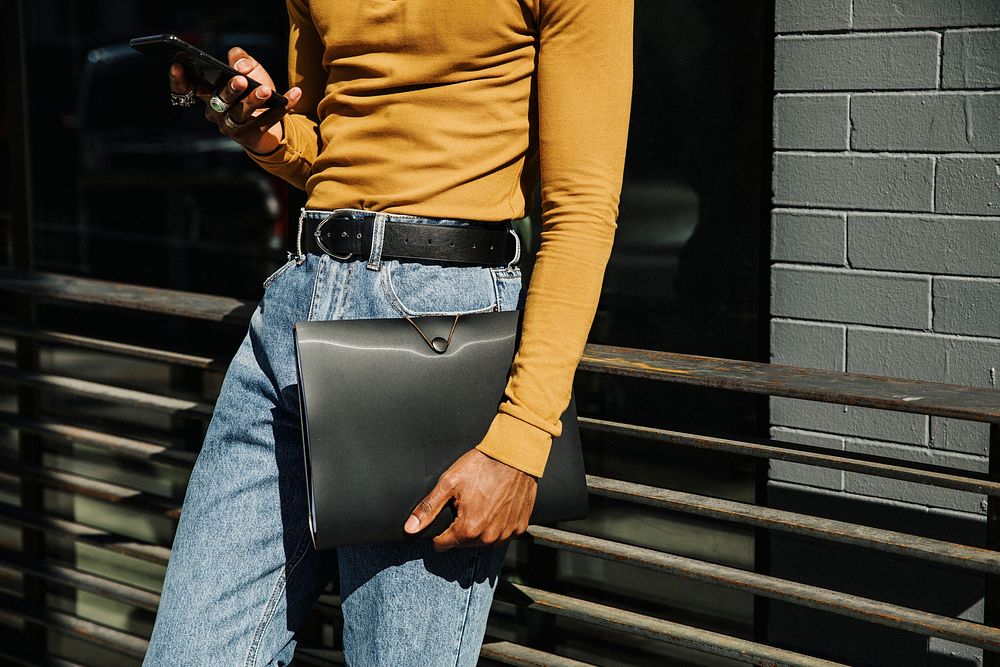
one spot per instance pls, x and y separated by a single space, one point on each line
182 99
232 124
218 104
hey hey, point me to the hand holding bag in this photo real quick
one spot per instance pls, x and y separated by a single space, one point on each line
388 404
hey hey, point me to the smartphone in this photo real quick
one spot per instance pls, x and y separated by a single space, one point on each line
198 65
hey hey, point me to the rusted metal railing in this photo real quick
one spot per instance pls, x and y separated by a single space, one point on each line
57 434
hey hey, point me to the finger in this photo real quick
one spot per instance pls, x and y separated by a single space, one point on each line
178 81
251 102
228 94
246 65
254 100
428 508
236 57
249 132
233 89
450 538
258 97
261 122
292 98
203 92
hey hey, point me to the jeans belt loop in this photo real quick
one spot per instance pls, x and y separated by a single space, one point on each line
378 235
299 256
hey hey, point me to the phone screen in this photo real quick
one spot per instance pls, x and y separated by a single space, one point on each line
211 74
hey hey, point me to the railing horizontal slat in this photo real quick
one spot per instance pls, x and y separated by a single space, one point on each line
68 434
903 544
871 391
704 641
509 653
113 347
107 392
921 473
70 482
95 537
90 631
865 609
84 581
123 295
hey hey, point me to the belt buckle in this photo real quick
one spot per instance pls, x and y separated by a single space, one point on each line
319 240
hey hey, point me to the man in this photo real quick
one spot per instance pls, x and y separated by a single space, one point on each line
430 111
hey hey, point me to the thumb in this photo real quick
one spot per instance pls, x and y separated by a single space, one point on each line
294 95
427 509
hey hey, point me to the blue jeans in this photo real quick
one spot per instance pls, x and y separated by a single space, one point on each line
243 572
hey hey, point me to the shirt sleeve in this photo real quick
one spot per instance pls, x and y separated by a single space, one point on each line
584 77
292 160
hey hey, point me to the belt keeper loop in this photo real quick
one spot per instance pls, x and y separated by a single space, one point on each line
378 234
517 247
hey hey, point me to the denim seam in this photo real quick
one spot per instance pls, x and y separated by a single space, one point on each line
468 604
496 290
338 310
270 279
397 303
320 272
504 273
272 601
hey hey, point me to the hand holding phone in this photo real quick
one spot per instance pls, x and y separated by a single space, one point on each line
253 109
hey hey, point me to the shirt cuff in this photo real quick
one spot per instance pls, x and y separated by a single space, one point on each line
517 443
282 154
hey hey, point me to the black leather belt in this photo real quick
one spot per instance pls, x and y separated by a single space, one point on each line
349 234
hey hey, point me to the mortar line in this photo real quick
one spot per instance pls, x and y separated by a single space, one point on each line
888 154
878 500
940 60
806 209
934 169
778 430
871 328
847 241
865 32
850 122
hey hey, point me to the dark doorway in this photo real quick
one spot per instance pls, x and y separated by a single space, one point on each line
687 275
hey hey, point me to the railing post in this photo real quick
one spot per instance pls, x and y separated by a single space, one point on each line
762 553
22 256
992 597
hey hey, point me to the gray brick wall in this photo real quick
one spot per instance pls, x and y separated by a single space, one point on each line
885 255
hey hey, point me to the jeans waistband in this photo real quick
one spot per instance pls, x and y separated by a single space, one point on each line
316 214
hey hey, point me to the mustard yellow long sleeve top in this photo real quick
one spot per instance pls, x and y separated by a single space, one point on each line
456 109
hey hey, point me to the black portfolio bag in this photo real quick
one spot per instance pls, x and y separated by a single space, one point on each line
386 407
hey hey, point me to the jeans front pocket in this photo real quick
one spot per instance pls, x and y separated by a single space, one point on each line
415 288
281 269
